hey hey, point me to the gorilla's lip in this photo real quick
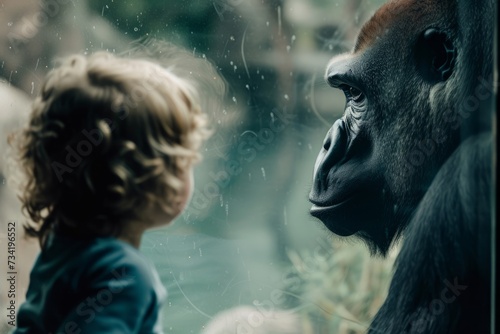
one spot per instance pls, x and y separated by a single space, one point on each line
332 201
317 205
327 212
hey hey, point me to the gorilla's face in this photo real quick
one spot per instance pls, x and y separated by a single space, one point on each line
379 158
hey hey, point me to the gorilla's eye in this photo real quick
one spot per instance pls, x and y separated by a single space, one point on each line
356 95
353 94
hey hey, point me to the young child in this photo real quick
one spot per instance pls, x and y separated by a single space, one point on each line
107 154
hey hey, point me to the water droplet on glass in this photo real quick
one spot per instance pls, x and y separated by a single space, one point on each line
263 173
286 97
135 29
10 24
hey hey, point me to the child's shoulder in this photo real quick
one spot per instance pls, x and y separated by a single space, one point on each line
99 260
74 277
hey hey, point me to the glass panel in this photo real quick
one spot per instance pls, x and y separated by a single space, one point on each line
246 237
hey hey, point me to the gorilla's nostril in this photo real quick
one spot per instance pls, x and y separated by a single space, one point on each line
327 143
333 80
330 80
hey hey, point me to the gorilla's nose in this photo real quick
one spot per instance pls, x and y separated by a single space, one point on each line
334 149
335 144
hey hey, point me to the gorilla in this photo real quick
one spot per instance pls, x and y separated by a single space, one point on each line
411 159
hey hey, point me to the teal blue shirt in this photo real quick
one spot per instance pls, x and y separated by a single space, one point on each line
98 285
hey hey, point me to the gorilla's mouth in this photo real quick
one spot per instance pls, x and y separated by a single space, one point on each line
358 210
336 217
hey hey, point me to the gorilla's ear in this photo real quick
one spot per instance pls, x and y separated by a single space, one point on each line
435 55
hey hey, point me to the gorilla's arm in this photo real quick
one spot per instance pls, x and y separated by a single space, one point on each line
445 260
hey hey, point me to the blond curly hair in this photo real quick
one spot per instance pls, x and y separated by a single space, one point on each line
108 138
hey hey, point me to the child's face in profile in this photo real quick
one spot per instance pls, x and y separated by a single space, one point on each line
160 218
188 190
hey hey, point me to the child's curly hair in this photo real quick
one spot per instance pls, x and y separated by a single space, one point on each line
107 140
